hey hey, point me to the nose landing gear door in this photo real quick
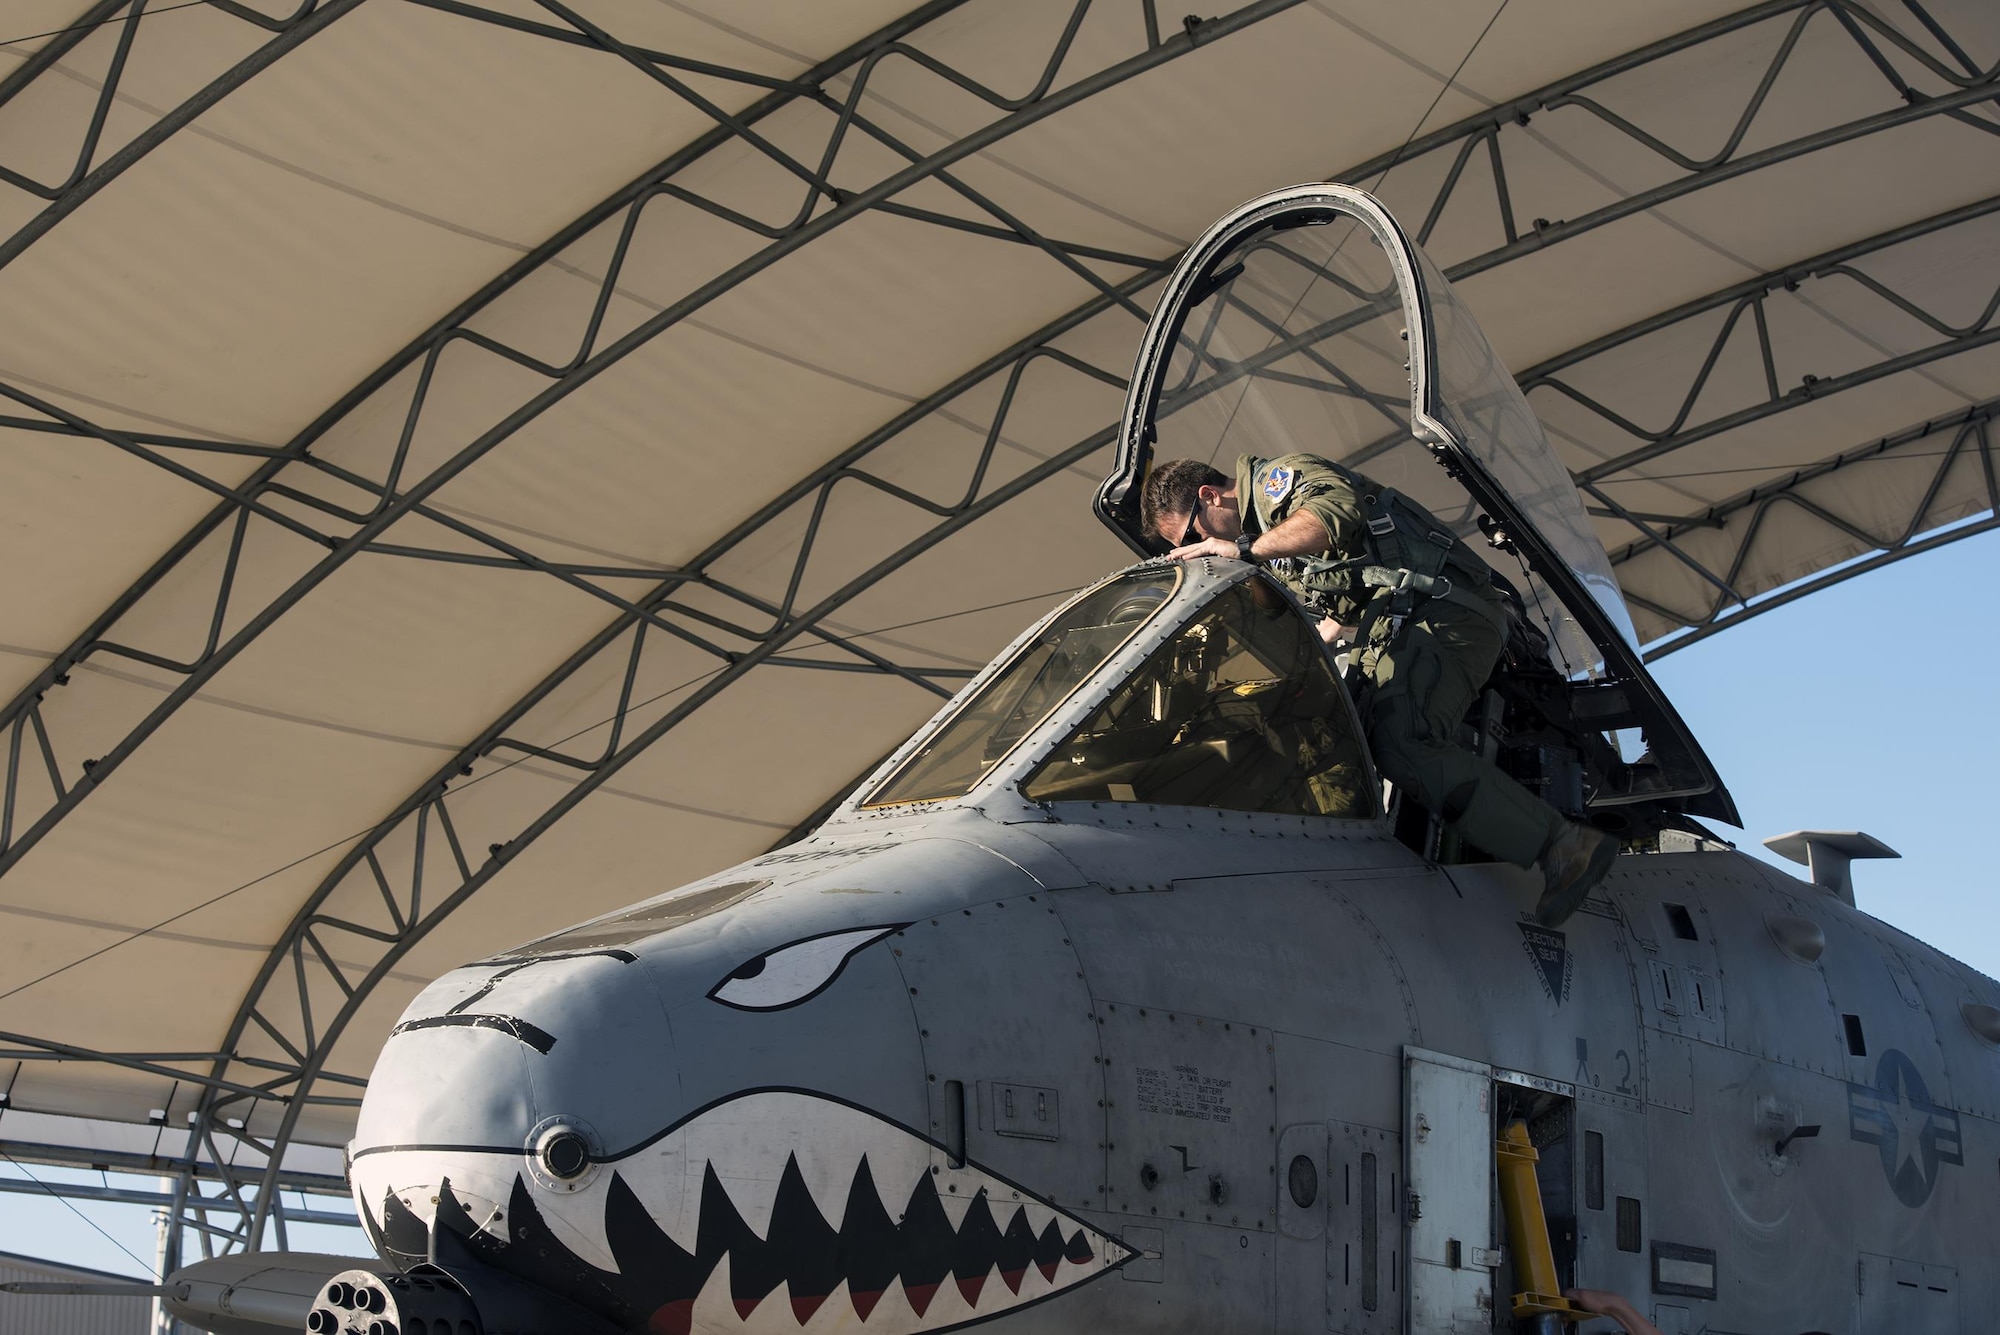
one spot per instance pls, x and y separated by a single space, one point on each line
1448 1174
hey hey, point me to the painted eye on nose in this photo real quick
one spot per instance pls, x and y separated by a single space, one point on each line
796 972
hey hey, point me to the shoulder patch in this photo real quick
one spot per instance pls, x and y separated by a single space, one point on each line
1278 484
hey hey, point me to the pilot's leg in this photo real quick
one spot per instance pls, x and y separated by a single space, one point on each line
1420 685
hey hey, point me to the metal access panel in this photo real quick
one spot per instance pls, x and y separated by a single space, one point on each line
1017 1088
1675 940
1907 1297
1448 1200
1192 1134
1364 1245
1302 1182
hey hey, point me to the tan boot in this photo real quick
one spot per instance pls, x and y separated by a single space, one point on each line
1573 863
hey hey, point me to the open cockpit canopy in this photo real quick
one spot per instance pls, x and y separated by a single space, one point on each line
1306 321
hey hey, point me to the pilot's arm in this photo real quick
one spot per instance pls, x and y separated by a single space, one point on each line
1600 1302
1320 515
1303 534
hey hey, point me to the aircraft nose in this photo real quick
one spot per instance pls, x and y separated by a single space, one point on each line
485 1054
502 1068
677 1127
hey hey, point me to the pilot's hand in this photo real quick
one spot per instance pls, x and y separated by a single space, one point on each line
1206 547
1333 632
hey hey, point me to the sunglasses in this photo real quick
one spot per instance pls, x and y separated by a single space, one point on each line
1193 535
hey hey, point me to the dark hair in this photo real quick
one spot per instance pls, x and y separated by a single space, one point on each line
1171 489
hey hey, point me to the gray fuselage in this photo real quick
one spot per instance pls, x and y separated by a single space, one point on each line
1148 1014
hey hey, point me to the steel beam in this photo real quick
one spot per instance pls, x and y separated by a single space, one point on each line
206 1170
1959 440
57 46
86 177
83 1191
42 1049
1743 335
397 497
1963 88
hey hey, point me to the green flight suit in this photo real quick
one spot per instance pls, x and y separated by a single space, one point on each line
1420 676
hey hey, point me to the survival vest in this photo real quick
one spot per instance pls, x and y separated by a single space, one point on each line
1410 558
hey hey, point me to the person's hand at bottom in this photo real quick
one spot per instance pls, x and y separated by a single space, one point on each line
1602 1302
1333 632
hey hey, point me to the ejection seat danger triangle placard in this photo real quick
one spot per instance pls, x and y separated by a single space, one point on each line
1548 949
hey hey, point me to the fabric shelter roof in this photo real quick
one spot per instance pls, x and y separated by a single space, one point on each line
527 455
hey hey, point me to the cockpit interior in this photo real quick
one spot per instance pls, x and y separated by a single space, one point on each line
1238 709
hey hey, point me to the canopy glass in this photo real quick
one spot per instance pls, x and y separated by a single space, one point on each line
1042 673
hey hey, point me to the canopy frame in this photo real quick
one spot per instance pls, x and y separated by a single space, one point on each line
1694 786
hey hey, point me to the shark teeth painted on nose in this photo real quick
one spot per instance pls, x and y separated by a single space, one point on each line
892 1253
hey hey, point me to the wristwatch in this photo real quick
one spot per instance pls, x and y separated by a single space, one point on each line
1244 542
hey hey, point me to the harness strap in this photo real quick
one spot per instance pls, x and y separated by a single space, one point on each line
1403 536
1398 592
1410 558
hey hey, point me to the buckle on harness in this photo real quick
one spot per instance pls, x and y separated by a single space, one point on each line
1401 597
1380 522
1409 582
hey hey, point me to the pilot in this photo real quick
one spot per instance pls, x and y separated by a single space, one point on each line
1387 575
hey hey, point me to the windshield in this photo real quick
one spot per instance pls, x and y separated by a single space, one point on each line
1240 710
1069 647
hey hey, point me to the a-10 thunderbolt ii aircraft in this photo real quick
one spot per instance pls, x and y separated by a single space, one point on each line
1119 1001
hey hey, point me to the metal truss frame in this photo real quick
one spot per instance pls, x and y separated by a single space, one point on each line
1743 304
1966 437
159 1200
420 838
27 1048
1966 86
755 633
203 1182
350 532
86 175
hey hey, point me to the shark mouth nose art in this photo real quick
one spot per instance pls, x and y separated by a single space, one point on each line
771 1213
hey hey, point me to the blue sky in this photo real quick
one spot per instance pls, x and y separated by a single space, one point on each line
1869 706
1863 707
